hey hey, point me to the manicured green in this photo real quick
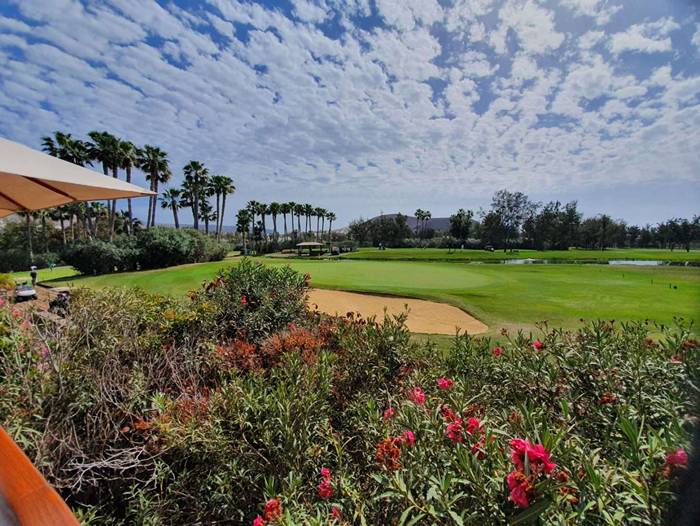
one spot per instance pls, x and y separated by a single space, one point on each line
443 254
500 295
46 274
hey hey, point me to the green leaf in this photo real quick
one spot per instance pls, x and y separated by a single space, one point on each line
531 513
456 518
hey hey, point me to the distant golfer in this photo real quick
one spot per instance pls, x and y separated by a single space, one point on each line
33 274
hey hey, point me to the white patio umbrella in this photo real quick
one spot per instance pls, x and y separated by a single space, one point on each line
31 180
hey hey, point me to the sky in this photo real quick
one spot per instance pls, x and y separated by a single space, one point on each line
369 106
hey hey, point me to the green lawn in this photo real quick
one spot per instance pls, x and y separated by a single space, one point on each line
500 295
45 274
443 254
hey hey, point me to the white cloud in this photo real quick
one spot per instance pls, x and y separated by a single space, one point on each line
600 10
651 37
534 26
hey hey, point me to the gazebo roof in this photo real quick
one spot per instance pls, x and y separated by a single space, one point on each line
310 244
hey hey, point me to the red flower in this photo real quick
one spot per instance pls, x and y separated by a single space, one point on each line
335 513
675 360
677 458
325 489
417 396
273 509
325 473
474 426
244 300
408 438
497 351
445 383
454 430
447 413
258 521
537 455
537 345
388 454
388 413
519 487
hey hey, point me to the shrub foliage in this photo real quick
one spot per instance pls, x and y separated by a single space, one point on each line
241 403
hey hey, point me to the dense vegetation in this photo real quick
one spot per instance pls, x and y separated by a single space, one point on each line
241 405
514 221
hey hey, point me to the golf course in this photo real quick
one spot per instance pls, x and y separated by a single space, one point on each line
501 296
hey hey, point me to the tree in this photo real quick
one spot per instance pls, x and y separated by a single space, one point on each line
221 186
274 209
154 162
60 214
512 208
460 224
331 217
319 213
195 185
63 146
492 229
298 211
243 218
286 208
104 149
128 158
308 212
170 199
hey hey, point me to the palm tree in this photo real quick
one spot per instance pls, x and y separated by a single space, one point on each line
28 220
263 210
207 212
63 146
170 199
331 217
222 187
60 214
308 212
196 182
274 209
287 208
243 218
128 158
154 162
298 211
104 149
320 213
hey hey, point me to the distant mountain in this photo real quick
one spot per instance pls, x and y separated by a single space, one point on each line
439 224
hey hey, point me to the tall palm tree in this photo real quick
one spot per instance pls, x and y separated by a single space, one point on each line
222 187
331 217
154 162
104 149
308 212
64 146
60 214
128 158
298 211
263 210
274 209
196 182
170 199
286 208
243 218
319 213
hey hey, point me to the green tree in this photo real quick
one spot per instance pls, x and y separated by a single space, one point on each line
154 162
195 185
222 186
331 217
170 199
128 158
460 224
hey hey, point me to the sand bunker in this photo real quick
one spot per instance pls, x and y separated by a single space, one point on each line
424 316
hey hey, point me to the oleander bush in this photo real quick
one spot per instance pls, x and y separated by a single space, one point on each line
240 406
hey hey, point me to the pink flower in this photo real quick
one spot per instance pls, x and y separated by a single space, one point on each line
408 438
454 430
445 383
273 509
473 426
677 458
258 521
519 486
325 473
16 313
675 360
388 413
335 513
325 489
538 457
244 300
537 345
417 396
497 351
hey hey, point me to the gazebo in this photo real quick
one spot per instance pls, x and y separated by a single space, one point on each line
311 246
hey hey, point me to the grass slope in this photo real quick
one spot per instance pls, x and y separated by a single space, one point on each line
500 295
443 254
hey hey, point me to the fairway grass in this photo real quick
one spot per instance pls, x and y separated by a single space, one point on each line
502 296
443 254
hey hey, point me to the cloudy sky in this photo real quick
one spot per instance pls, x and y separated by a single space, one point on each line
363 106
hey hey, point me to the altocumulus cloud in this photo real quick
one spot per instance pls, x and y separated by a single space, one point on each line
362 104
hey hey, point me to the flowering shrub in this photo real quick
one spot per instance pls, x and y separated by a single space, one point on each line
144 410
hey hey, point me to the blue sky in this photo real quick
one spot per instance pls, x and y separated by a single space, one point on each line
363 106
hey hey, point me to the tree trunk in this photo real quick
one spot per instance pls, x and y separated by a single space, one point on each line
218 215
131 213
330 225
63 228
177 223
223 210
195 209
299 223
113 206
285 226
274 226
155 202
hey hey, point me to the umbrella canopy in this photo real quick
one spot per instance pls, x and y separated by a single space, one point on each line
31 180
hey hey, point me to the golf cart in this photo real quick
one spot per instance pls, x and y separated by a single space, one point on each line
24 292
